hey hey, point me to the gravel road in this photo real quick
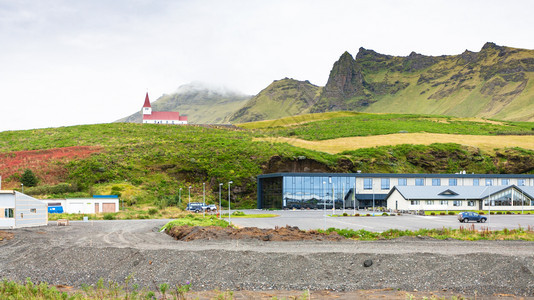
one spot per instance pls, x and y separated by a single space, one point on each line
86 251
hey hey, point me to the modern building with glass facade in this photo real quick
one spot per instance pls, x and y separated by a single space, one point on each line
364 190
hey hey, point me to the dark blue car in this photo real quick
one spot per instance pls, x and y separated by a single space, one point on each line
471 216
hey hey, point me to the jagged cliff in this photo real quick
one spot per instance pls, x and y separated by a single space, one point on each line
495 83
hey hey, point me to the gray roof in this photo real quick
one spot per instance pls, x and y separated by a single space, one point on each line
456 192
397 175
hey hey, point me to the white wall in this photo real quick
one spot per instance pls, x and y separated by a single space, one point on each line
27 211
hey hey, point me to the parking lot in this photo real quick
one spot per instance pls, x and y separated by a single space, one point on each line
315 219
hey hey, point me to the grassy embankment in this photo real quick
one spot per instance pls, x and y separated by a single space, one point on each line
469 233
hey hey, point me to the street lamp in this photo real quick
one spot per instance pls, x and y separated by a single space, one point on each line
189 202
180 197
203 199
229 212
324 207
220 185
22 186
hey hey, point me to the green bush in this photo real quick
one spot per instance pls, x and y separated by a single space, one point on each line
345 214
385 214
508 212
238 213
357 215
109 216
432 213
451 213
499 212
480 212
442 213
152 211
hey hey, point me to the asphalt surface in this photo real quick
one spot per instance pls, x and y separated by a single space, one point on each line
316 219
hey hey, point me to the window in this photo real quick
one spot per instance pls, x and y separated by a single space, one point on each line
471 203
403 182
8 213
414 202
456 203
429 202
384 184
505 182
419 181
33 210
453 182
521 182
436 181
444 202
476 182
367 183
489 182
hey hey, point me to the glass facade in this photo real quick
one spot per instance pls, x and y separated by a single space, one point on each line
318 192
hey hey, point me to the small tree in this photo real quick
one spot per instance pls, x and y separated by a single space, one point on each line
28 178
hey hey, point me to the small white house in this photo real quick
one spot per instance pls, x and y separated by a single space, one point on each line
97 204
20 210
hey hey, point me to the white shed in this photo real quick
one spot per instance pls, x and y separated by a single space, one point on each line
97 204
20 210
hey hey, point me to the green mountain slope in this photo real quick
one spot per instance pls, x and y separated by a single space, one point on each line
496 82
282 98
201 104
146 163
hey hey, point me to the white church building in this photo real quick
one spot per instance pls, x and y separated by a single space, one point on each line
161 117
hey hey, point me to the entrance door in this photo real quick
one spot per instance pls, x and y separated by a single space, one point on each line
480 204
108 207
97 210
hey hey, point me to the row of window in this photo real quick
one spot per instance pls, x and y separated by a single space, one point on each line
443 202
385 182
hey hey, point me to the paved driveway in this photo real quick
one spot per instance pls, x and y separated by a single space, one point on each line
315 219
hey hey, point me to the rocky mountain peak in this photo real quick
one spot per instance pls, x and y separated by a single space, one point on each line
490 45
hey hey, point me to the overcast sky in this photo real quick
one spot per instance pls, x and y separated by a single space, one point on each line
68 62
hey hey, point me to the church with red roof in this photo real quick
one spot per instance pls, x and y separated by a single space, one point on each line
161 117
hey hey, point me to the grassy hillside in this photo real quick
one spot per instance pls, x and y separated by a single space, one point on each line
282 98
147 163
347 124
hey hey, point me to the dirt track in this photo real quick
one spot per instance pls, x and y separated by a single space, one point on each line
84 252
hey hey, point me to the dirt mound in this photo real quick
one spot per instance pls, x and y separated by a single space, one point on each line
6 235
288 233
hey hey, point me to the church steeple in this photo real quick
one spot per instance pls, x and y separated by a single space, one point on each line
147 109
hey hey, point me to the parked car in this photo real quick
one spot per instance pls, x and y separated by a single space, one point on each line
194 206
209 207
471 216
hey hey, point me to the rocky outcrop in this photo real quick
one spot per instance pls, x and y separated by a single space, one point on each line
345 80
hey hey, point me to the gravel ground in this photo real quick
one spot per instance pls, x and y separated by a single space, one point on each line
84 252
